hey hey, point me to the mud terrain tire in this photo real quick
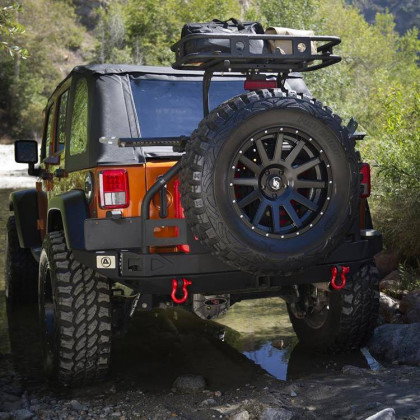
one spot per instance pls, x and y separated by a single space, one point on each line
75 316
21 271
349 321
250 236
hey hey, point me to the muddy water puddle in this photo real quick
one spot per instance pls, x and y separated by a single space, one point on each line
254 338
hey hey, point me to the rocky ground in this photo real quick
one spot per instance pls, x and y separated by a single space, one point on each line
183 370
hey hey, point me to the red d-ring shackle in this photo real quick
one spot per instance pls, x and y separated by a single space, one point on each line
342 270
175 284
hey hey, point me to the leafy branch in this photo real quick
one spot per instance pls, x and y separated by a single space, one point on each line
9 29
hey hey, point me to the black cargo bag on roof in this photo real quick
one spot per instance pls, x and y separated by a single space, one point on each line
231 26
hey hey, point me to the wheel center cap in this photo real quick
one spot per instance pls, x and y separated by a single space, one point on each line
275 183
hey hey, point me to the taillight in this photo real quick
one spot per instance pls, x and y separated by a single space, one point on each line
113 189
365 180
260 84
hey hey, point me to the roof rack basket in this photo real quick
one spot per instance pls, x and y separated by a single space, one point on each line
238 58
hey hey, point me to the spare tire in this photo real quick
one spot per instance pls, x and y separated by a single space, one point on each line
270 181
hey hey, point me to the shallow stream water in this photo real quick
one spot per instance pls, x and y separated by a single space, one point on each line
173 342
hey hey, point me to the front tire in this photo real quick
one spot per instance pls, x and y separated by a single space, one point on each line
21 271
75 316
344 320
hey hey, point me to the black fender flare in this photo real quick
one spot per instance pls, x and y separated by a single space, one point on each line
73 210
24 205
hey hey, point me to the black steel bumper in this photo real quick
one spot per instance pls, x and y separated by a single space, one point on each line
153 273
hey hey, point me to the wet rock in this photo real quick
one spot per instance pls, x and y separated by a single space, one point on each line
189 384
389 309
227 409
77 406
399 343
410 306
386 261
208 402
242 415
22 414
387 414
276 414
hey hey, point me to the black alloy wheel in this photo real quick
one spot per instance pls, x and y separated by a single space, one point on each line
280 182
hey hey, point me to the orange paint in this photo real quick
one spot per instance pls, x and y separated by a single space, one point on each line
140 179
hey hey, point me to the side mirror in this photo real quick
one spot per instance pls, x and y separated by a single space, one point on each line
26 151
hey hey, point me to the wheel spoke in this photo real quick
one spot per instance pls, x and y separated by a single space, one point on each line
252 166
295 152
304 201
248 199
275 217
292 214
279 148
262 152
308 165
260 212
249 182
309 183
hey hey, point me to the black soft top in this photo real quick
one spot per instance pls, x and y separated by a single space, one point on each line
131 68
111 110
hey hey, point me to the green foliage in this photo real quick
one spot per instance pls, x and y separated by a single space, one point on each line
54 39
111 36
154 25
406 13
409 277
397 154
9 28
297 14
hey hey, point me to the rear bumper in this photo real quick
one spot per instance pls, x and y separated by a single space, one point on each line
153 273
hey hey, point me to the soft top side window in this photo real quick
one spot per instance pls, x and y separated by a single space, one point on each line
48 133
79 119
61 122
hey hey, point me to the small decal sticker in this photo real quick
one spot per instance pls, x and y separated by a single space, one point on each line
105 261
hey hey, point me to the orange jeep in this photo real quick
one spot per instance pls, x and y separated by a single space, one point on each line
265 196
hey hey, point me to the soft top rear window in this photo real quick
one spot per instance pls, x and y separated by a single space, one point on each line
167 108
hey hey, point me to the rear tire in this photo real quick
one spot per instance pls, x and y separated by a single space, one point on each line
21 271
75 316
347 318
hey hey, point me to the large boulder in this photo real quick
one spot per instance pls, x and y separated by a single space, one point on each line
389 310
410 306
386 261
396 343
